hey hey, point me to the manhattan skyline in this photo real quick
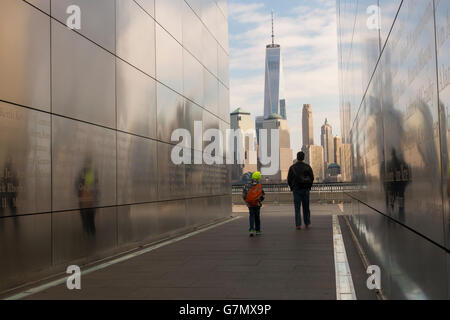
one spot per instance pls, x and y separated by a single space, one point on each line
307 36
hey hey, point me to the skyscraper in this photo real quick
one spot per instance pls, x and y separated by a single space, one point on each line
283 109
314 157
258 125
337 150
273 78
326 139
240 119
307 126
285 153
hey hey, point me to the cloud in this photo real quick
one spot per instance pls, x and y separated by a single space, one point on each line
308 39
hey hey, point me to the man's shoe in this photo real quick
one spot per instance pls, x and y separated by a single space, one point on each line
299 228
308 226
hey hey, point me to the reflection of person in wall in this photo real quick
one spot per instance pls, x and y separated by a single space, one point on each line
9 184
87 187
398 177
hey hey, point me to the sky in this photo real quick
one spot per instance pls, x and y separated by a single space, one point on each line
306 31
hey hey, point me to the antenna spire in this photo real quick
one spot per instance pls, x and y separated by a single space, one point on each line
273 35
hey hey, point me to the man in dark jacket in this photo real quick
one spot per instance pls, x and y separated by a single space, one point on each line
300 180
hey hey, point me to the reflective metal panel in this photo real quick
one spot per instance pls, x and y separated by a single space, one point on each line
170 112
137 222
373 153
134 45
224 69
171 216
443 47
192 28
224 103
44 5
86 234
211 92
366 44
80 177
25 55
25 250
136 101
411 121
196 213
192 83
408 179
169 15
388 9
210 55
25 181
223 6
169 60
148 5
196 5
222 32
192 113
171 177
210 16
83 78
98 19
194 176
84 165
137 177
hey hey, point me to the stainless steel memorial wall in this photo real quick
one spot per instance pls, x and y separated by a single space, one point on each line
86 117
395 76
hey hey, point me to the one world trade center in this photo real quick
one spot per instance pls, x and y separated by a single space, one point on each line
274 100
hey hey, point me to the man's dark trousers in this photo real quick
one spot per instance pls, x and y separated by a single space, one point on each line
255 222
301 197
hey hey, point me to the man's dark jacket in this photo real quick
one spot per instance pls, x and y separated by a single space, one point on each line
300 176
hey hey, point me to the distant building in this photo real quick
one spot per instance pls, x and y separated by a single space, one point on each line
333 173
346 159
307 127
327 143
275 121
258 125
283 109
240 119
314 157
273 80
337 150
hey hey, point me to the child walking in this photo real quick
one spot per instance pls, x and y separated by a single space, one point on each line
253 195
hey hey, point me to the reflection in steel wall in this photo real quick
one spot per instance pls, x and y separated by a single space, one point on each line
86 118
395 100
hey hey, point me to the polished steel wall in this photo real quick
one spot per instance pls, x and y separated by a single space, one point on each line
86 118
395 91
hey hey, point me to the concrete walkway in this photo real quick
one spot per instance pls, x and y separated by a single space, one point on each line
225 263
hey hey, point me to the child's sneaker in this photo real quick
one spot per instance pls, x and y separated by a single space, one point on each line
258 233
252 233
